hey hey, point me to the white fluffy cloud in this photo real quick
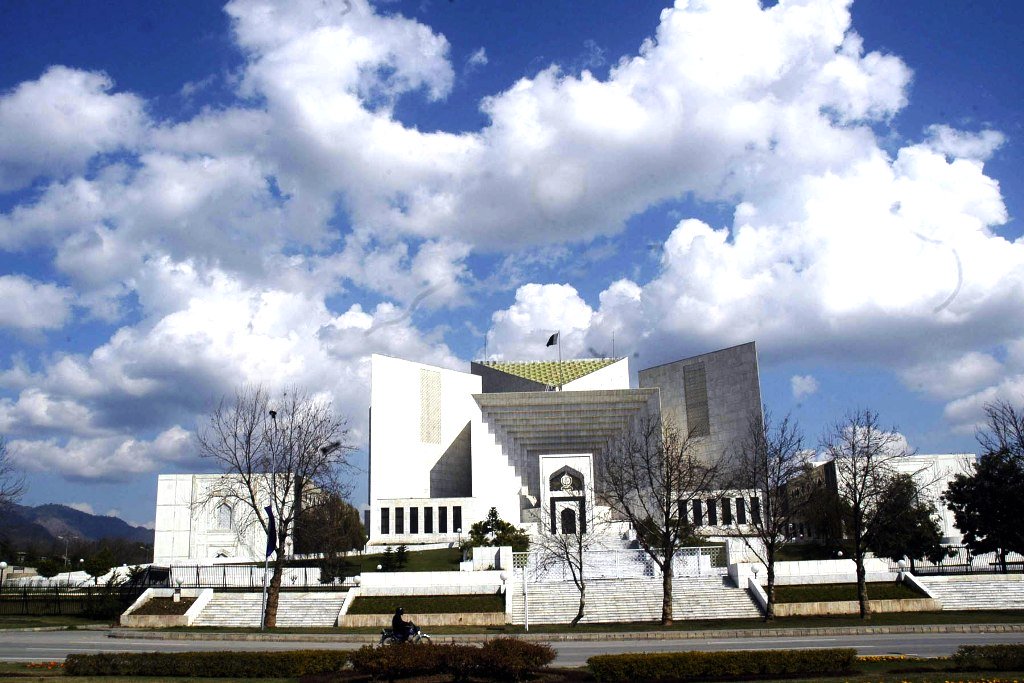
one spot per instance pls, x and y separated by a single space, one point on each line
521 331
209 333
55 124
238 245
29 305
803 386
114 458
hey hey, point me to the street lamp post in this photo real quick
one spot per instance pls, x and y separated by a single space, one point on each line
3 566
65 550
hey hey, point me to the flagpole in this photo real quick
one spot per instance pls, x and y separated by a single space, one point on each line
560 378
263 606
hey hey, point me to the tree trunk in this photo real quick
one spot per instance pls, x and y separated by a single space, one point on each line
862 589
274 591
769 611
666 591
583 603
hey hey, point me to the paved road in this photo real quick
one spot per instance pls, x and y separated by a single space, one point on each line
55 645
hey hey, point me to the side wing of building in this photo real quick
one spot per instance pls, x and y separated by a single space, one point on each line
712 396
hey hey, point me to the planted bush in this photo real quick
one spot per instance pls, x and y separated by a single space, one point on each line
506 659
208 664
397 661
1009 657
501 659
673 666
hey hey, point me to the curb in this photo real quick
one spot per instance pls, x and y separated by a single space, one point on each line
365 638
32 629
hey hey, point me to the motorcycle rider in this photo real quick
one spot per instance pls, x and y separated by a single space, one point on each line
401 628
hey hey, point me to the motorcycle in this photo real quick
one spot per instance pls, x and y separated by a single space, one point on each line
416 636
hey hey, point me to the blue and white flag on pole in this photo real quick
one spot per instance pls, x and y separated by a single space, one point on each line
271 532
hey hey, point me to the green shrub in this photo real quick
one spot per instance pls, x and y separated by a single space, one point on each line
504 659
208 664
398 661
1009 657
672 666
501 659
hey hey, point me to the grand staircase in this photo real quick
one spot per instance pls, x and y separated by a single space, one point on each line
635 599
977 591
238 610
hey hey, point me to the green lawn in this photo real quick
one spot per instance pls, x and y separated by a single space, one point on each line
440 560
428 604
36 621
164 607
810 550
836 592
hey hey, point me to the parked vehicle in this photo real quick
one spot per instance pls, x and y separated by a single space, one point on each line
416 636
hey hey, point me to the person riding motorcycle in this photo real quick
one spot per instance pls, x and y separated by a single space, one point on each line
401 628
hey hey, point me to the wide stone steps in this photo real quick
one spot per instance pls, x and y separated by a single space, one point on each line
611 600
239 610
977 591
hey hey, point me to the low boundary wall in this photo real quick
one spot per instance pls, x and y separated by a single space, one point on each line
452 619
202 596
810 609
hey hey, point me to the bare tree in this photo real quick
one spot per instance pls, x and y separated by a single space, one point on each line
864 455
1004 432
12 481
275 453
568 546
770 460
648 475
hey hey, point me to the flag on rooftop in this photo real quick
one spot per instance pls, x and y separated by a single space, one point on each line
552 340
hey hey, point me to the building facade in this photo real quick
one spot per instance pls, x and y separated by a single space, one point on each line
527 438
199 520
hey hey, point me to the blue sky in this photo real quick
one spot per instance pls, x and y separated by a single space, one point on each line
194 196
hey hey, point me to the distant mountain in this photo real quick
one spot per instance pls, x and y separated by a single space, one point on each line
44 523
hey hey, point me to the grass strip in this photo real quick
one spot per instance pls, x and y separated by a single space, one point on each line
840 592
428 604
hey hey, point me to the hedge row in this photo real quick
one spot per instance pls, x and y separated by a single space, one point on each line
501 659
208 664
675 666
1009 657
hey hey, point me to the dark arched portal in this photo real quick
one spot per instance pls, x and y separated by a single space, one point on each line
568 521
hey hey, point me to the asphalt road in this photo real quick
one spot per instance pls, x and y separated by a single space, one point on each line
55 645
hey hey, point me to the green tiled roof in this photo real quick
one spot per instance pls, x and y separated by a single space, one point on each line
552 373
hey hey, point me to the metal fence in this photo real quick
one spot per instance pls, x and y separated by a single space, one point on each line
618 564
250 577
960 560
97 601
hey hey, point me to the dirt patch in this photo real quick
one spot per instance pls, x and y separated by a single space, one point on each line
164 607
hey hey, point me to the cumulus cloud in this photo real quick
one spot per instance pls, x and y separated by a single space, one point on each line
963 144
288 234
29 305
109 459
82 507
803 386
476 60
55 124
520 331
80 414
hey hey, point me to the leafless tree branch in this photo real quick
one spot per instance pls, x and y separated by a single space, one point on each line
279 452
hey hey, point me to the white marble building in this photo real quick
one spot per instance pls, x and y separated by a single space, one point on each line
194 524
446 446
933 472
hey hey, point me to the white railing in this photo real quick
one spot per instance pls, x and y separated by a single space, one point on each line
616 564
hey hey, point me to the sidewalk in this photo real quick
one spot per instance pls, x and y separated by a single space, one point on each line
568 636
